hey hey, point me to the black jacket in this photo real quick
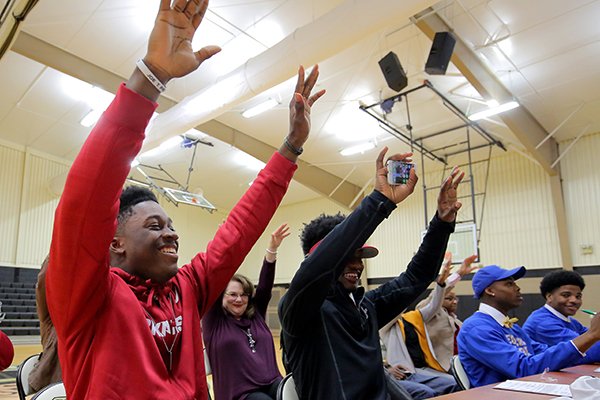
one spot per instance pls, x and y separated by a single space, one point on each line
332 345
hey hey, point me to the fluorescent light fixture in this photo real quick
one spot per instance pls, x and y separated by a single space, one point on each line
259 108
359 148
493 111
90 118
164 146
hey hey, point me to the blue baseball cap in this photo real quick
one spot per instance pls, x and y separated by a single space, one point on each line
492 273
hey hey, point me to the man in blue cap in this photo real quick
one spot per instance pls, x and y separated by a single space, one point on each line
493 348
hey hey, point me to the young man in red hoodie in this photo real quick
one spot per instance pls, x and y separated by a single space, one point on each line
127 319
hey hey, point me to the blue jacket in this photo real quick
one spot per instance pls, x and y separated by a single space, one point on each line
491 353
547 328
332 345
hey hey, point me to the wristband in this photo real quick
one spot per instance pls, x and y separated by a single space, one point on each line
150 76
271 252
291 148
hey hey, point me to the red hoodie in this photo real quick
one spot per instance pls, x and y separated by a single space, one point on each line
114 329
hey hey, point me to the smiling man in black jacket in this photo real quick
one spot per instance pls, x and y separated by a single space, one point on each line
329 324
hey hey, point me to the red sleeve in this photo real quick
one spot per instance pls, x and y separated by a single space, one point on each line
7 351
85 220
244 225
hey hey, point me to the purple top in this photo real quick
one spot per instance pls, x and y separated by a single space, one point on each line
236 369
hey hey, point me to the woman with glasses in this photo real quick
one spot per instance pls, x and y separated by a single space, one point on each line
239 343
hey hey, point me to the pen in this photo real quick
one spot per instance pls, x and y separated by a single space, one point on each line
588 311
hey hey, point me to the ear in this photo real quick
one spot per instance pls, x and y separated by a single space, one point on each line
489 292
117 246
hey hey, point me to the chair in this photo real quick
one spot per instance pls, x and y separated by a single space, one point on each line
287 389
54 391
208 370
23 372
458 372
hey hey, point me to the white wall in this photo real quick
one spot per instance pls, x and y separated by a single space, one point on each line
581 187
28 205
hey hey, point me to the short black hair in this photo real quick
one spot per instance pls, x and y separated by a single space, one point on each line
318 228
131 196
557 279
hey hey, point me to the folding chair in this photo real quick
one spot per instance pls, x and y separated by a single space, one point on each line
458 372
54 391
208 370
23 372
287 389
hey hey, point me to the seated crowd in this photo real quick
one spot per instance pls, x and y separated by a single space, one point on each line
127 322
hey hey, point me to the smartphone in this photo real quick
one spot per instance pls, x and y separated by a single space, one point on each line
398 172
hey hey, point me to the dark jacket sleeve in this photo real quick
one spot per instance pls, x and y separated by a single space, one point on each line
265 287
394 296
321 269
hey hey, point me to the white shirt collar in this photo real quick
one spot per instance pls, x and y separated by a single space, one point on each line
492 312
352 297
558 314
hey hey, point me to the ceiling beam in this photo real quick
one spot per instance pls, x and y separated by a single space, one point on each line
61 60
520 121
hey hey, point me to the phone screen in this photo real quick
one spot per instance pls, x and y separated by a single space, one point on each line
398 172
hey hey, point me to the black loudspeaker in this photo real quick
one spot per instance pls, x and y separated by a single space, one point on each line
441 51
393 72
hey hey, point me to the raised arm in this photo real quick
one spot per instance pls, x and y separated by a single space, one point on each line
319 271
251 215
433 304
85 220
267 272
394 296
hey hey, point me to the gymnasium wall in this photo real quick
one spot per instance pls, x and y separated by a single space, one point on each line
518 226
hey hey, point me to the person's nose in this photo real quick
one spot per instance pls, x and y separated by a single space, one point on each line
171 234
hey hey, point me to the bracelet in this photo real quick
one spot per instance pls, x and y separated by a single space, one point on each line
150 76
271 252
291 148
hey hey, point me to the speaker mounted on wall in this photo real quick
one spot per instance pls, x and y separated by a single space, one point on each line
393 72
440 54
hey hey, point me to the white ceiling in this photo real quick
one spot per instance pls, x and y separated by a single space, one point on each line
545 52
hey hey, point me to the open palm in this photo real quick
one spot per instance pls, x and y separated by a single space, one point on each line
170 53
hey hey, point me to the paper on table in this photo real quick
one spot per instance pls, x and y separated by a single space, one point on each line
597 370
536 387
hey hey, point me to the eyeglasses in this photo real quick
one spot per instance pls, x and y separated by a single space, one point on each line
233 295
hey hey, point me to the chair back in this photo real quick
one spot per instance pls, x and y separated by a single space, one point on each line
208 371
54 391
207 367
23 372
287 389
458 372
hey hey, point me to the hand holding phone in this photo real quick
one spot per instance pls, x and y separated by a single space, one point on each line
398 172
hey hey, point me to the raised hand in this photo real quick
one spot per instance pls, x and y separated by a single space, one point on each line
395 193
300 106
448 204
276 238
467 265
170 53
446 267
